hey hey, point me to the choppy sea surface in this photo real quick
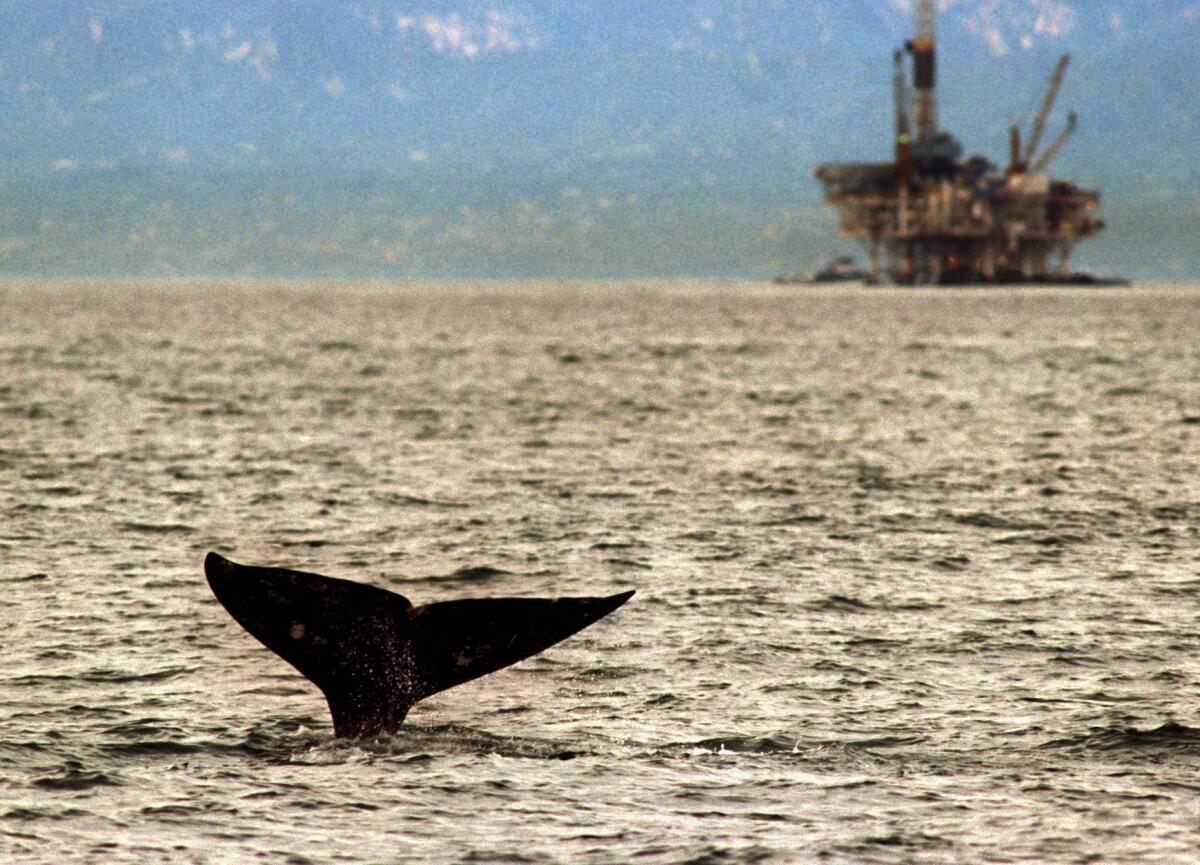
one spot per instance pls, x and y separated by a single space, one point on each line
918 572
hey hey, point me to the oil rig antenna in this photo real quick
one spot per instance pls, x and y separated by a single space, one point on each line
924 53
903 128
1039 120
1015 163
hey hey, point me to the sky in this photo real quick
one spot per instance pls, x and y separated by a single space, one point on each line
548 138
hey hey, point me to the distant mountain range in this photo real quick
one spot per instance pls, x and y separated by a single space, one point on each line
537 139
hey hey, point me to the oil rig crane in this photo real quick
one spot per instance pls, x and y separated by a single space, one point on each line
1039 121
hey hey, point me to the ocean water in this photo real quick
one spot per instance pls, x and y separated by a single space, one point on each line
918 572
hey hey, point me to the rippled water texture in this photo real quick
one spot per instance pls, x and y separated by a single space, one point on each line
918 572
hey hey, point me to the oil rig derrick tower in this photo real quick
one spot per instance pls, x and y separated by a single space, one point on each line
930 217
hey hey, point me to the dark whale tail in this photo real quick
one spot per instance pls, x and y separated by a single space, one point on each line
372 653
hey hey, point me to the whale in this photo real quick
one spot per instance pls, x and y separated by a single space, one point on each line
372 653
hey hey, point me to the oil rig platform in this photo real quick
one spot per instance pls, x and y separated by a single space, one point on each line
930 217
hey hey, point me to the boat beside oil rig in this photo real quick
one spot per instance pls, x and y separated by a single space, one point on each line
929 217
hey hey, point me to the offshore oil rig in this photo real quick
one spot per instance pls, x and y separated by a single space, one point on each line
932 218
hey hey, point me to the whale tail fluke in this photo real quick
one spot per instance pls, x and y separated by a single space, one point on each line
372 653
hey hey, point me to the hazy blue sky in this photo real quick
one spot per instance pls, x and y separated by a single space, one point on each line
554 139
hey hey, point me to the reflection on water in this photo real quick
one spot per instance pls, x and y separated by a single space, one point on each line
917 571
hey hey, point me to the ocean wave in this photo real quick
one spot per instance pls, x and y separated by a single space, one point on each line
73 775
1168 736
